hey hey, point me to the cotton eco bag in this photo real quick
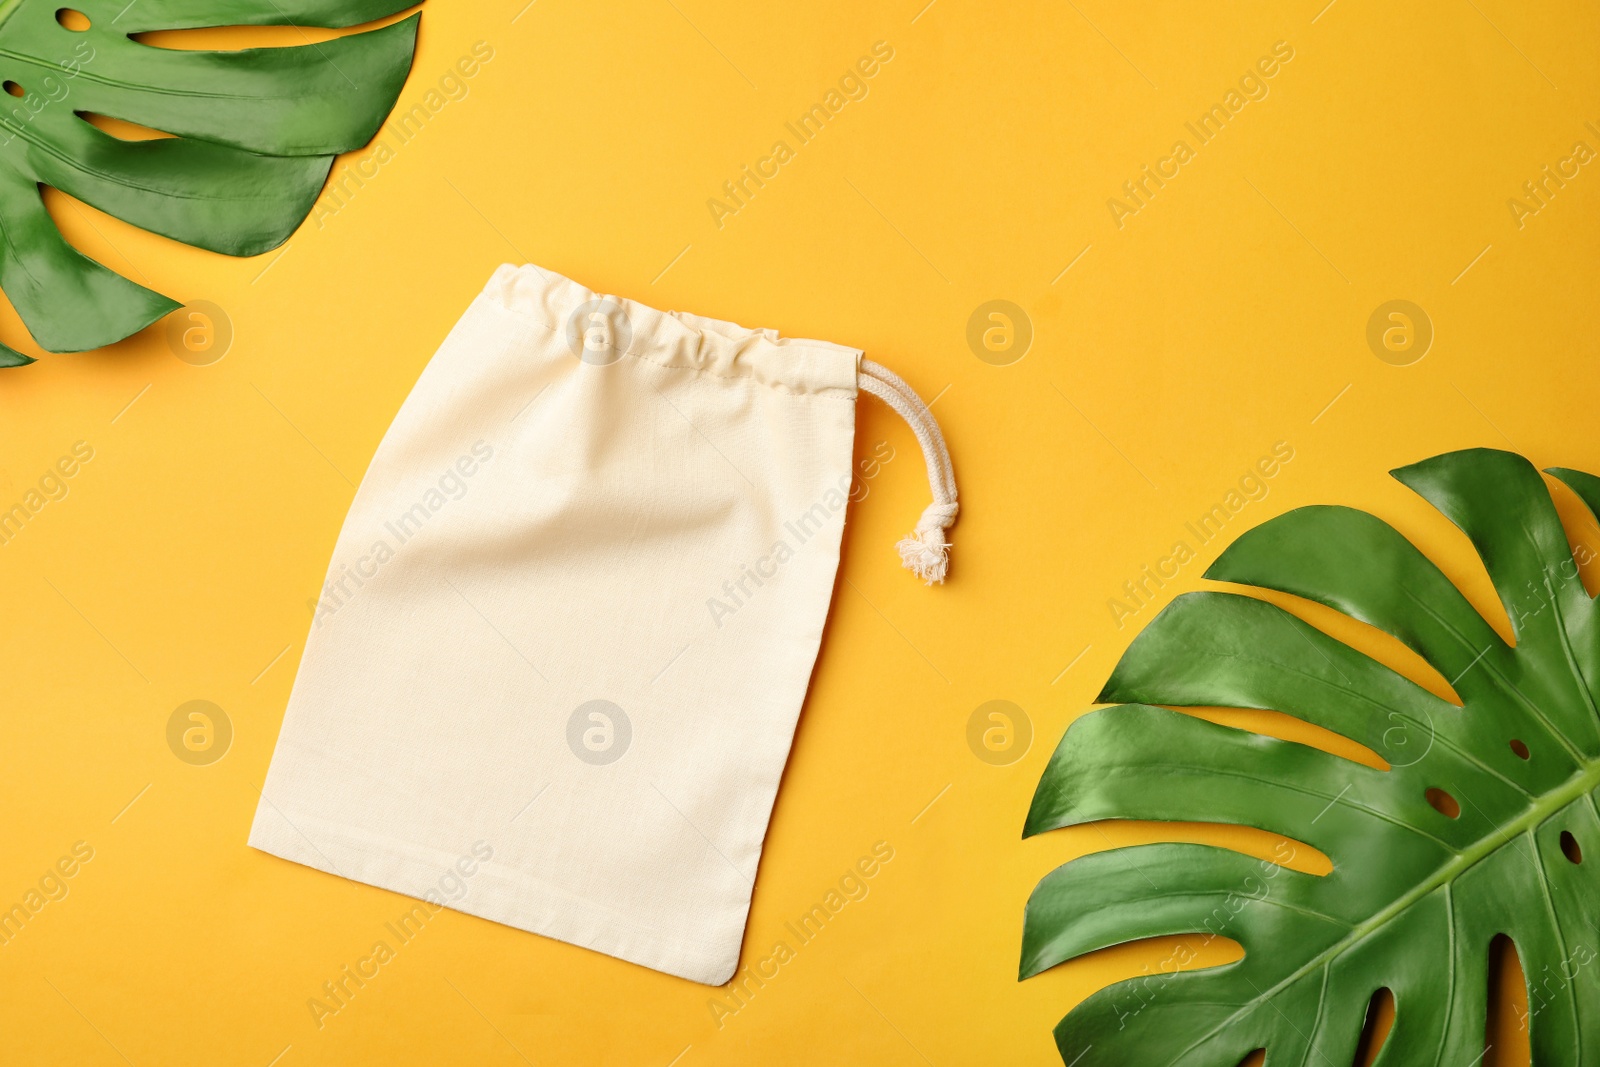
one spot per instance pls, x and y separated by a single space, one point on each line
569 623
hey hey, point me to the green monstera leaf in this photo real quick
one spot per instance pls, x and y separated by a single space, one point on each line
255 134
1415 895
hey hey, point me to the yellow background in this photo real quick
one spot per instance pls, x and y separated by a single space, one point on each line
1227 315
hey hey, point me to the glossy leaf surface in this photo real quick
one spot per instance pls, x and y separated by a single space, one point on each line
254 136
1416 895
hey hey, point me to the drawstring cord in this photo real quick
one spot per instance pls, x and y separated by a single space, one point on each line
924 552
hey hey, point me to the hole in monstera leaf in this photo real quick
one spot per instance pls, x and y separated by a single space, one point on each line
1505 1036
121 129
1443 803
1569 847
1255 1059
237 38
1520 749
1375 1031
72 19
12 87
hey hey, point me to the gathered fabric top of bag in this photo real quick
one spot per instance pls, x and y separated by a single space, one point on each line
603 329
622 327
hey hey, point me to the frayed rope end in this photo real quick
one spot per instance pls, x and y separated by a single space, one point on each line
925 552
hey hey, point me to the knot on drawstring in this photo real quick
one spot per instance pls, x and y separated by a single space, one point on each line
925 552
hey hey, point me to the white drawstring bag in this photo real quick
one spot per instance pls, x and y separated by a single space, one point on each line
555 671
